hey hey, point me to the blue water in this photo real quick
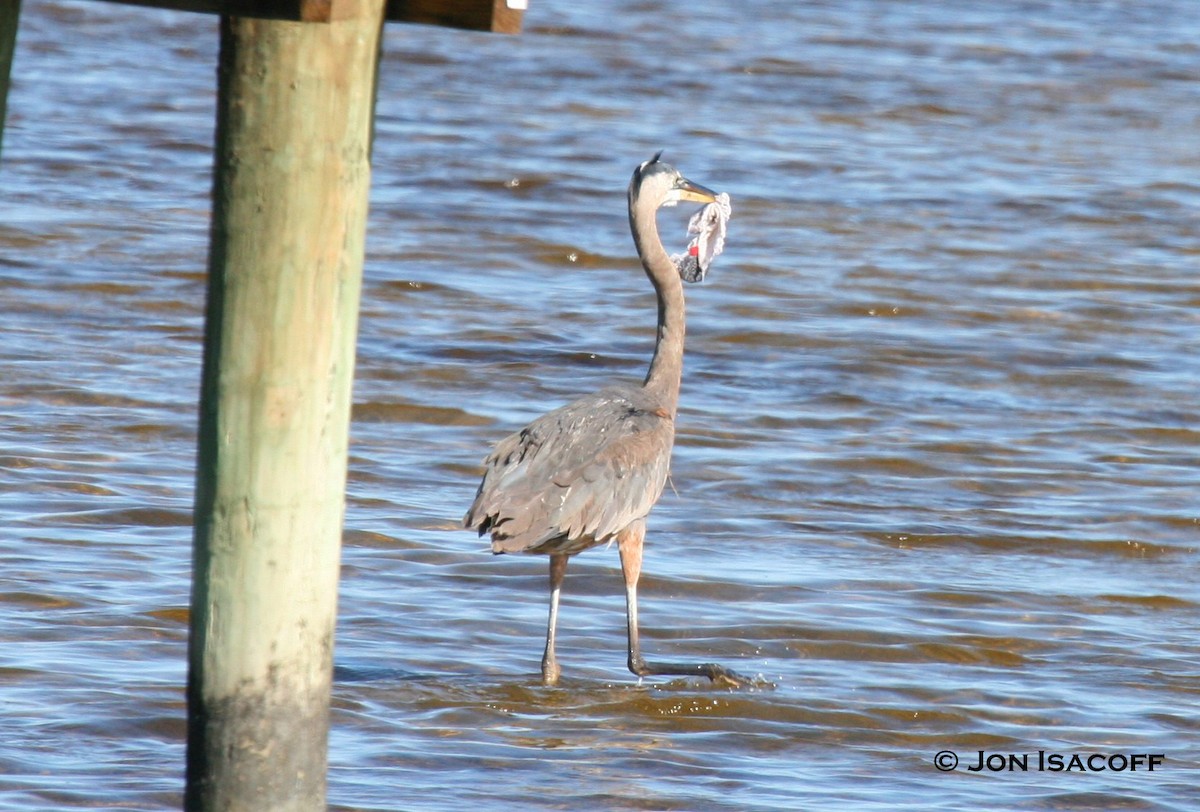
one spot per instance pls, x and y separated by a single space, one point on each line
937 462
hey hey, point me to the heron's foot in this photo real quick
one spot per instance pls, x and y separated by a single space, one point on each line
727 678
719 674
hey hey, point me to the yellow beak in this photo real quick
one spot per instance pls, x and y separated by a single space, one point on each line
694 192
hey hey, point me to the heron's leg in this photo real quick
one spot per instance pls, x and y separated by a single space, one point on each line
550 668
629 542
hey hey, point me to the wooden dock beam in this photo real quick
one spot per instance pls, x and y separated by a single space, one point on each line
501 16
285 269
10 15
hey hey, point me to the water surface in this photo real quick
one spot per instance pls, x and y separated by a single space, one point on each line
937 463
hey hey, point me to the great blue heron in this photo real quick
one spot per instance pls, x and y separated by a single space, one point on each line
589 472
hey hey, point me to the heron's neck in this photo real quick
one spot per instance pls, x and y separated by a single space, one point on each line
666 368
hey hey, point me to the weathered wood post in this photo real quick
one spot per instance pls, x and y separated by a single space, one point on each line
291 182
10 14
285 267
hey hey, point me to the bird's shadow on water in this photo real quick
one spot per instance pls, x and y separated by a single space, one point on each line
518 710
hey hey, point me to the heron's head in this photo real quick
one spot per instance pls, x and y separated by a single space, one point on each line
660 184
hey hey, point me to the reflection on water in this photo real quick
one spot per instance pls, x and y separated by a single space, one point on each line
937 461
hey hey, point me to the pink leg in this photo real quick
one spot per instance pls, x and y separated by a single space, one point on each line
550 667
629 542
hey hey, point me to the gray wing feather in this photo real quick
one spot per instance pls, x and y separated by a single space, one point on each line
576 476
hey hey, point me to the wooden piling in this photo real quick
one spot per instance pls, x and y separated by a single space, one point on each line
285 267
10 14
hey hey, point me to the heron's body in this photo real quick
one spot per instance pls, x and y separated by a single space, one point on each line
578 476
589 472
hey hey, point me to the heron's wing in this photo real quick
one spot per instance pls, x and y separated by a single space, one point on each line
574 477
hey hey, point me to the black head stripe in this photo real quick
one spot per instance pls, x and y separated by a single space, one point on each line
641 170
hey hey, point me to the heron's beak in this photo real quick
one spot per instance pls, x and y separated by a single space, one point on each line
694 192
